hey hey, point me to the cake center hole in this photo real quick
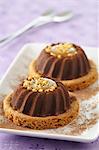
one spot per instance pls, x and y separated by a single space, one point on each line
62 49
39 84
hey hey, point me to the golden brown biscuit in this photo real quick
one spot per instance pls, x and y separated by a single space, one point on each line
74 84
41 122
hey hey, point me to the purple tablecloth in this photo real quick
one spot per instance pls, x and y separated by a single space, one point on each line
82 29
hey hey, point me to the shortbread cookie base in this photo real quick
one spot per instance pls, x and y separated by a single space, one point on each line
75 84
40 122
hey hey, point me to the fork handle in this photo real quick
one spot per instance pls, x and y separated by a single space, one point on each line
36 23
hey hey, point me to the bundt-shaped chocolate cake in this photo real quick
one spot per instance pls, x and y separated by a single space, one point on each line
62 61
67 63
41 103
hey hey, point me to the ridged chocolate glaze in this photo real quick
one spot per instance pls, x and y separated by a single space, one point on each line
41 104
66 68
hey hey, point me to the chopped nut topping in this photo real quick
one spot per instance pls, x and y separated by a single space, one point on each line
62 49
39 84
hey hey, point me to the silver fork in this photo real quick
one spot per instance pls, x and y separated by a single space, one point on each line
45 18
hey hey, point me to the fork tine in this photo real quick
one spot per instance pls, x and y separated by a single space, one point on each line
48 12
65 13
64 16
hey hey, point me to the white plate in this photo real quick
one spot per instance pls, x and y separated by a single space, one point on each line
19 68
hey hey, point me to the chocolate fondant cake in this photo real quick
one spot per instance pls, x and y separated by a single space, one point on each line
41 103
66 62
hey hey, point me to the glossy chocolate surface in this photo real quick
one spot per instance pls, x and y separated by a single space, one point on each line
41 104
65 68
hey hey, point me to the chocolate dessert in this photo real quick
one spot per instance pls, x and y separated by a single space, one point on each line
41 103
64 62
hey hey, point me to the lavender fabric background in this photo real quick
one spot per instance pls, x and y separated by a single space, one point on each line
82 29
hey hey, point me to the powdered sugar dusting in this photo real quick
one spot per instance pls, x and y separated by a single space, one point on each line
88 117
